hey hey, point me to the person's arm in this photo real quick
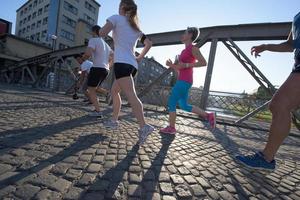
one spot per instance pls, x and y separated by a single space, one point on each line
111 59
170 64
147 46
106 29
201 62
287 46
87 54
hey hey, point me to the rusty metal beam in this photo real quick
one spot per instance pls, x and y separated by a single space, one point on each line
44 58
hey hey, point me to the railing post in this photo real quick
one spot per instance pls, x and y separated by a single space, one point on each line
210 66
58 73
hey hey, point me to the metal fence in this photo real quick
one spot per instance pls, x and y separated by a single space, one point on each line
229 104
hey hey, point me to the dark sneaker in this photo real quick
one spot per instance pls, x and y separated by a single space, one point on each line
256 161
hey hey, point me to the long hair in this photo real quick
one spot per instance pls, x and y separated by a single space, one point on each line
130 9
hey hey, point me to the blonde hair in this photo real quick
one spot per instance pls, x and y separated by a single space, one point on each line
130 9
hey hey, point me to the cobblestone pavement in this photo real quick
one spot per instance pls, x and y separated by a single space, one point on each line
51 149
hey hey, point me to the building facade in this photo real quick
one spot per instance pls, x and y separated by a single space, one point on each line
150 70
5 27
38 20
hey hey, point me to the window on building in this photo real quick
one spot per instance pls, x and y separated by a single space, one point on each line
25 11
89 19
41 1
32 37
35 3
32 26
20 23
67 35
37 36
23 31
39 24
20 32
46 8
34 15
90 7
40 11
69 21
45 20
21 13
70 8
44 33
30 7
29 18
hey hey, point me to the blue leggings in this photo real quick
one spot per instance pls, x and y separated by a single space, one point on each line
180 94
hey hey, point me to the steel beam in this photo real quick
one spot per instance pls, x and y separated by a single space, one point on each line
243 32
209 71
254 112
30 74
249 66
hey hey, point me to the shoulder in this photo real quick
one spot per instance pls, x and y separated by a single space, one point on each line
92 40
114 18
194 48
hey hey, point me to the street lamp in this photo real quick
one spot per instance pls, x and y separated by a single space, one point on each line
54 38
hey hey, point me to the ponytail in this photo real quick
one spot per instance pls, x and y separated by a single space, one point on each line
130 9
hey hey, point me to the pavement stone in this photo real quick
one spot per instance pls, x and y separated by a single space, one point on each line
51 149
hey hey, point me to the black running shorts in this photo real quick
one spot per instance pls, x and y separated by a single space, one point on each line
122 70
96 76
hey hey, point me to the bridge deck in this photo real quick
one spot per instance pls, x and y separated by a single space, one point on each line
50 148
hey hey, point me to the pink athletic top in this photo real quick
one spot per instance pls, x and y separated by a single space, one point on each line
186 56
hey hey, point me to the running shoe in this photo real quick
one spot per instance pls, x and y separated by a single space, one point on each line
212 121
144 133
168 130
96 114
256 161
112 124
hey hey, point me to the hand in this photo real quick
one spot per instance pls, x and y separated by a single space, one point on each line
169 63
256 50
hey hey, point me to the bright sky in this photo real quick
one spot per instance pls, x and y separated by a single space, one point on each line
170 15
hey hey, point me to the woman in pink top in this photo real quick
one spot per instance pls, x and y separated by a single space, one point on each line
189 58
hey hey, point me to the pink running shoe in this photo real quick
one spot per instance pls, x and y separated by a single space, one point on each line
212 120
168 130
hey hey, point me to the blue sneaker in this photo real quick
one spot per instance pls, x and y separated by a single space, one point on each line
256 161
